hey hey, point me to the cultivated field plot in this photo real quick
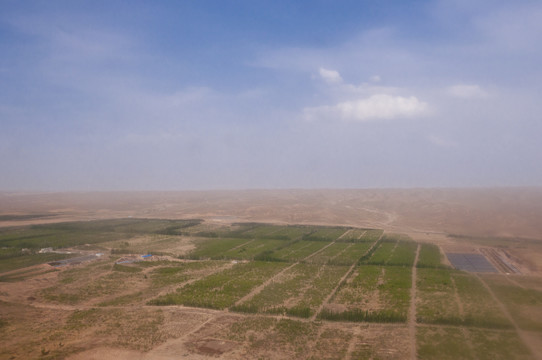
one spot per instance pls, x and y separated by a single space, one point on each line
394 253
353 235
330 253
456 298
277 232
326 234
469 343
361 235
250 290
215 248
222 290
298 250
253 248
351 254
430 257
523 303
299 291
374 293
372 235
259 337
382 254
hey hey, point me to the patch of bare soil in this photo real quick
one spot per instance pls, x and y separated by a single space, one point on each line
108 353
377 341
19 292
213 346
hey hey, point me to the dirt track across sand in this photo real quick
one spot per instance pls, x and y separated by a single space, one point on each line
412 310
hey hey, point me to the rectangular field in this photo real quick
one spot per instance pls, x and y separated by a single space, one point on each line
329 253
524 304
298 250
436 343
215 248
404 254
382 253
450 297
325 234
353 235
374 293
222 290
372 235
266 231
430 256
298 292
351 254
253 248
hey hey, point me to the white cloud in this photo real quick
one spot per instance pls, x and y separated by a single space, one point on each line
375 107
330 76
466 91
375 78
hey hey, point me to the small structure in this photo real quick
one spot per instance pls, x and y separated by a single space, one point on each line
133 259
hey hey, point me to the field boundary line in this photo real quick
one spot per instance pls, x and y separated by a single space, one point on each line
344 234
514 282
259 288
391 253
239 246
352 344
457 298
167 346
317 251
294 251
461 311
412 310
342 251
328 298
522 334
174 287
343 279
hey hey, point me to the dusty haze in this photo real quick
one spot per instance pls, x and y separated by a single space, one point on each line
503 212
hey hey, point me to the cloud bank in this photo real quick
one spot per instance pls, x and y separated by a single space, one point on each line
330 76
365 102
375 107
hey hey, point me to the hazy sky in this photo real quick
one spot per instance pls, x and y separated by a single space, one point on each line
173 95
